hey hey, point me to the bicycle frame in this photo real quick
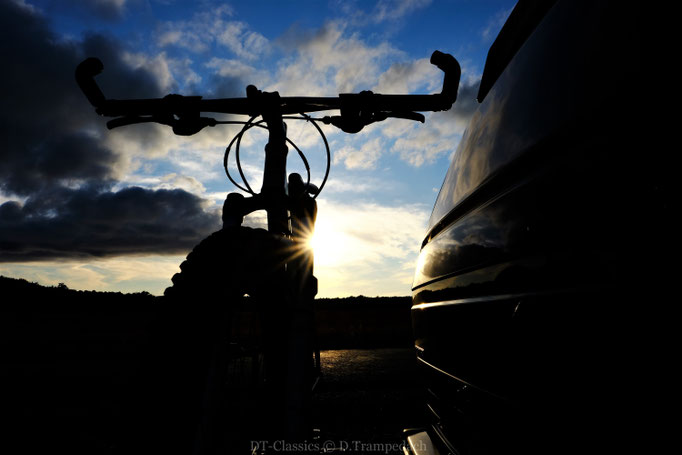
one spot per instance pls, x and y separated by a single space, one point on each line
183 114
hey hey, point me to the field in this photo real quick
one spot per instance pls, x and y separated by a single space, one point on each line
71 359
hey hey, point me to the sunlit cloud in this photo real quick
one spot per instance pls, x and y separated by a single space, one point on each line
196 34
407 77
243 42
329 60
213 27
157 65
382 11
346 185
183 73
365 157
396 9
425 144
168 181
231 67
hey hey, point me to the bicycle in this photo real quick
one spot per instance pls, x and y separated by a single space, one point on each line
276 267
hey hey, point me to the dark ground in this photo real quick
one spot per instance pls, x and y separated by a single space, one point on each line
367 397
69 363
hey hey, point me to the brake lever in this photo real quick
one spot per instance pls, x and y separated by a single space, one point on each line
181 126
343 124
191 125
355 124
416 116
129 120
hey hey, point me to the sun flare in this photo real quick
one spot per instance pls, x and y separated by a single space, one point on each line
329 245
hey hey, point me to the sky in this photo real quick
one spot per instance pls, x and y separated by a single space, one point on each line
119 210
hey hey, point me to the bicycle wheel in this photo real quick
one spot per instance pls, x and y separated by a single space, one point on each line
232 261
236 388
207 337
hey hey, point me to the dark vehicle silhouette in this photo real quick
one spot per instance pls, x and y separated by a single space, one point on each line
549 226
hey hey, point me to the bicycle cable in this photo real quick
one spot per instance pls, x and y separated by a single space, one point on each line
250 124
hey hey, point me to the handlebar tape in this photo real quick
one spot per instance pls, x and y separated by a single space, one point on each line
85 77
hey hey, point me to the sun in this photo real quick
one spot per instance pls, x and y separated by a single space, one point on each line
329 244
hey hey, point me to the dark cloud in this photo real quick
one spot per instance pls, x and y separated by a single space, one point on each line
88 222
466 103
52 155
228 87
49 132
107 10
41 107
118 80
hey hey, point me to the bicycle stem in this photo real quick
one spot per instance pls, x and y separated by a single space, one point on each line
276 150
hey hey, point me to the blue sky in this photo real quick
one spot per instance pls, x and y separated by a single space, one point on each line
127 184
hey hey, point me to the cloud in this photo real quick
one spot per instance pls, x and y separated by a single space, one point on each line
196 34
243 42
211 32
383 11
407 77
390 10
50 135
158 66
59 163
230 68
414 143
370 245
41 123
328 60
210 28
421 145
494 24
365 157
231 76
169 182
374 232
108 10
182 67
346 184
87 222
466 103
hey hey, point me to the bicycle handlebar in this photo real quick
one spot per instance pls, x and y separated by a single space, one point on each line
183 112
